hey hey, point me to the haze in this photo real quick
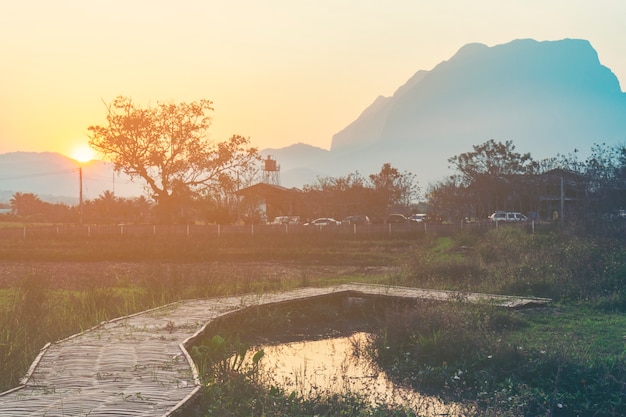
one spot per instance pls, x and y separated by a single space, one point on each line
278 72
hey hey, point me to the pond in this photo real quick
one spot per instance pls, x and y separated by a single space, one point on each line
337 365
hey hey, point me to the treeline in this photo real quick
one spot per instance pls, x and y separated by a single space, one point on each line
106 209
493 176
191 179
376 194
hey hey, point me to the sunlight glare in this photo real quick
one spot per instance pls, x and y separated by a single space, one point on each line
83 154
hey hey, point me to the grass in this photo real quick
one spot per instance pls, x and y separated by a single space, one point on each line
51 289
507 363
563 361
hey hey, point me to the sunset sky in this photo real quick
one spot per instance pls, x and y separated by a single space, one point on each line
278 71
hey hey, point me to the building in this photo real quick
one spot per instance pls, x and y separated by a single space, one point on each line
262 202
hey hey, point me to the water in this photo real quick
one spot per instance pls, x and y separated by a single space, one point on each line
337 366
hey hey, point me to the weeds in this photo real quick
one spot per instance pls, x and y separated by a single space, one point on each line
564 362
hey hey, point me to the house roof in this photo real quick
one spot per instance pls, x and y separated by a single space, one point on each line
267 190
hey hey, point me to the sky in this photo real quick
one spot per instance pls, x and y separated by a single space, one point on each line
279 72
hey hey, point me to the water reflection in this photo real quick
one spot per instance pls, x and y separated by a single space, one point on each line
336 366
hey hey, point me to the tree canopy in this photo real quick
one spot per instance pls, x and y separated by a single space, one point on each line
488 178
167 146
388 190
494 160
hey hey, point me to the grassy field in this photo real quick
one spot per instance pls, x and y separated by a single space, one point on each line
568 359
50 289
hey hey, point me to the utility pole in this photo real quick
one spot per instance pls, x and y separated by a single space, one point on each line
562 216
80 200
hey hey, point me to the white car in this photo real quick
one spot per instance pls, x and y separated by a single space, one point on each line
323 221
507 216
418 218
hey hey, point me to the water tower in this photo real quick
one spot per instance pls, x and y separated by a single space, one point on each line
271 171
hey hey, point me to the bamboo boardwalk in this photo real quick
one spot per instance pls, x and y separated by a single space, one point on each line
138 365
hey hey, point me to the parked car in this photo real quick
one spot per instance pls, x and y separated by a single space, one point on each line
286 220
418 218
323 221
358 219
396 218
507 216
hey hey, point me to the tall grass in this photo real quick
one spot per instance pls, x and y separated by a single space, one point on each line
566 360
507 363
513 262
53 289
554 363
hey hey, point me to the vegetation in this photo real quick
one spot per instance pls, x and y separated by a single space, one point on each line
568 360
389 190
166 146
495 177
565 360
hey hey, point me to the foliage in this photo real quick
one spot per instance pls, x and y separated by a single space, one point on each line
564 361
166 147
508 260
375 195
242 397
491 161
486 176
29 207
221 360
245 392
507 363
107 208
605 172
392 188
495 177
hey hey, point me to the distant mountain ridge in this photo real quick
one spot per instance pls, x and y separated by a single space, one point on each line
55 178
547 97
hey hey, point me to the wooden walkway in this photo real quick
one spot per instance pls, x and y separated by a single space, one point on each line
138 365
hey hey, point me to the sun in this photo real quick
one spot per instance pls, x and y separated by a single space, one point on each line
83 154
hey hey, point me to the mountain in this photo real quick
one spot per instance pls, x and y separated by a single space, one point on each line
56 178
296 161
549 98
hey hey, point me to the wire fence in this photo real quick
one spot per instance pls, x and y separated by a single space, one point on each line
72 231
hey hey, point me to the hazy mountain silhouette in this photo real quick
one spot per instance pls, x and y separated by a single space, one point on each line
547 97
299 164
55 178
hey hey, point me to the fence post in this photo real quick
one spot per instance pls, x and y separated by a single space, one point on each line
187 230
24 233
219 230
89 231
121 230
354 227
252 229
154 230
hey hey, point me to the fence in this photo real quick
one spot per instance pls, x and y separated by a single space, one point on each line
73 231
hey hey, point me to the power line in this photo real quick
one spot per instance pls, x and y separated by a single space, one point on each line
42 174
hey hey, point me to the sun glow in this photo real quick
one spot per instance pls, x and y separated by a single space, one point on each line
83 154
